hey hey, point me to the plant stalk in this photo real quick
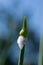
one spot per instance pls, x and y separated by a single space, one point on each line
41 49
21 58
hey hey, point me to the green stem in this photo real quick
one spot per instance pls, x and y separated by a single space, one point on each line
41 50
21 56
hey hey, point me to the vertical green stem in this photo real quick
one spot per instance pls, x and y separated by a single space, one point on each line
41 50
21 58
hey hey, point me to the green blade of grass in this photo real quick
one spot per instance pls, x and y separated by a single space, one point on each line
41 49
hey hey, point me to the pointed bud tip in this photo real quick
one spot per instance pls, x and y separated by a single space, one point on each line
24 17
24 30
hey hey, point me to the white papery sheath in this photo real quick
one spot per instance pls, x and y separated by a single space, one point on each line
21 41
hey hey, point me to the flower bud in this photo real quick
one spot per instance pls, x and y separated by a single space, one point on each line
23 34
21 41
24 30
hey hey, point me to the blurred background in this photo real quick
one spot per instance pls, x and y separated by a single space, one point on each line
12 13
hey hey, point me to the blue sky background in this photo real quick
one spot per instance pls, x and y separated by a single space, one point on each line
30 8
33 10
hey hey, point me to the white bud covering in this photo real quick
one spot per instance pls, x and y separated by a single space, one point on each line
21 41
